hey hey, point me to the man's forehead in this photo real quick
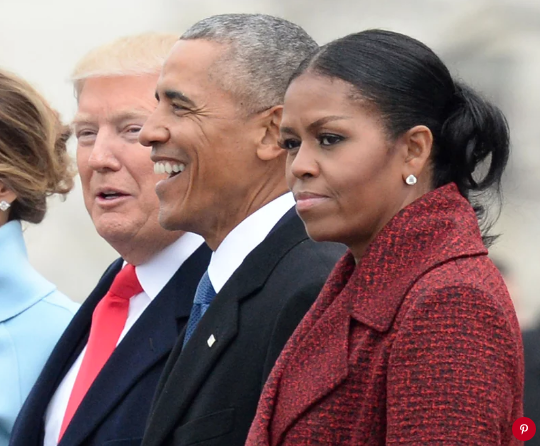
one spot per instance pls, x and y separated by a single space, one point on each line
118 115
190 56
177 85
100 85
187 76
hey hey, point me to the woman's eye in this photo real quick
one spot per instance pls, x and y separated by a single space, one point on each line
329 139
289 144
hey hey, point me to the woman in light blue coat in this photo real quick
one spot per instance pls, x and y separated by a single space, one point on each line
33 314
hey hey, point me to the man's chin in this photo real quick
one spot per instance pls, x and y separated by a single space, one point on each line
170 221
114 232
115 238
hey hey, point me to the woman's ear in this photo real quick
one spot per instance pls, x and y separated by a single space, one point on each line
418 143
6 194
268 149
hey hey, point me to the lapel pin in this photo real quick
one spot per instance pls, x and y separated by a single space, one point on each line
211 341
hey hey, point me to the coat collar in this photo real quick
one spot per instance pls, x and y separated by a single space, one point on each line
21 286
436 228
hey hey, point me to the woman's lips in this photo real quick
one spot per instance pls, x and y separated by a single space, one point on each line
309 200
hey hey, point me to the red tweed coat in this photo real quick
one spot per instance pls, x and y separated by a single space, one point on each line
418 344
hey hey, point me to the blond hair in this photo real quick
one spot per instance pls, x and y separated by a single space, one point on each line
33 158
128 56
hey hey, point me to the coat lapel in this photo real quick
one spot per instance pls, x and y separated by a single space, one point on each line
189 367
325 363
149 341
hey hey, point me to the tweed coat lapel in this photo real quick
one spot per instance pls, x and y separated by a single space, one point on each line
188 368
429 232
152 337
325 363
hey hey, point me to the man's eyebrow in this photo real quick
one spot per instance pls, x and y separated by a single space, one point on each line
179 96
81 118
118 116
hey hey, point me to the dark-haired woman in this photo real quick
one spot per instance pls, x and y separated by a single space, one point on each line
414 339
33 313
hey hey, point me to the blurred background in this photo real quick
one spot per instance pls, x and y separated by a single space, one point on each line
491 44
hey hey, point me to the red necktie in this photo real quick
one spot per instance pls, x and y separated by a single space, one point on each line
108 321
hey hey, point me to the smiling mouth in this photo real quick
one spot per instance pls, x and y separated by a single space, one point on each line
172 169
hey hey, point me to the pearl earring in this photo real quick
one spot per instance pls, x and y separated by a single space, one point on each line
411 180
4 205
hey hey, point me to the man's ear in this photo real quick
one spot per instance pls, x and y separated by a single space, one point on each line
268 148
417 144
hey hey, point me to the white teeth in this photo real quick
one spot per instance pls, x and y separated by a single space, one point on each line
159 168
167 167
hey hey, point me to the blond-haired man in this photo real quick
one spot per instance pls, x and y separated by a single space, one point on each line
98 384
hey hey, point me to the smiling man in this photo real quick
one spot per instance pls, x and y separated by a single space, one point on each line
97 386
215 131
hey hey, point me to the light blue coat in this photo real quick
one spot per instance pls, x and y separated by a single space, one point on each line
33 315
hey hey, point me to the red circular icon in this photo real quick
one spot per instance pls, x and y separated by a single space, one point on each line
524 429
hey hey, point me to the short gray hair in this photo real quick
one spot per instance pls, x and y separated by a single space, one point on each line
263 54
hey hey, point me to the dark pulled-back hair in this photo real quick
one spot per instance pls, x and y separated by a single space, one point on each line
409 85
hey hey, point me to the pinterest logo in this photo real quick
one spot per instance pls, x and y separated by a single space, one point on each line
524 429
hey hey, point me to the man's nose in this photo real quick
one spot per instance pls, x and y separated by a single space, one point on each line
103 155
153 131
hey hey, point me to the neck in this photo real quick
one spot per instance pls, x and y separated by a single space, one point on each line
233 217
358 247
136 257
142 252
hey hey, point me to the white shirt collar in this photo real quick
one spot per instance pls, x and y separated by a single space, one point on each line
244 238
157 272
